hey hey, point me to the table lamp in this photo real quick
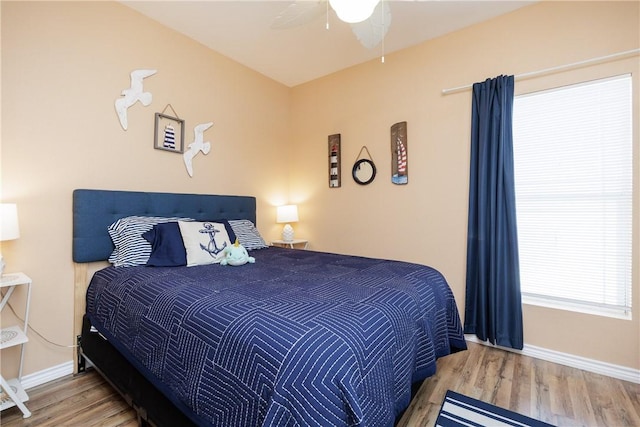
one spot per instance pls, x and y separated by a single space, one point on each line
286 214
9 229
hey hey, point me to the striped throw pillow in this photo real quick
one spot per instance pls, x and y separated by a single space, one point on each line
131 248
247 234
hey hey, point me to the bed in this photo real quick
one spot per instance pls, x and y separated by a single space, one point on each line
296 338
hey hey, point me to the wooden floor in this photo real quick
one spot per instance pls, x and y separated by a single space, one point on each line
553 393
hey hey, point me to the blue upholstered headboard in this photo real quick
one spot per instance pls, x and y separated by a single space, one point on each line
95 210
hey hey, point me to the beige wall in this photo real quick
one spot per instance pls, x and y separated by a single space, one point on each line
426 220
64 64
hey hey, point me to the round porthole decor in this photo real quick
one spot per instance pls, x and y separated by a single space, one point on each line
364 170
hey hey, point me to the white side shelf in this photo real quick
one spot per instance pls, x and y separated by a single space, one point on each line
17 389
13 335
291 243
13 393
14 279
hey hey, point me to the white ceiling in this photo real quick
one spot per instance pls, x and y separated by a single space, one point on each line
241 30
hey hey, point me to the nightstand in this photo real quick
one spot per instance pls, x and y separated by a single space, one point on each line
12 391
293 244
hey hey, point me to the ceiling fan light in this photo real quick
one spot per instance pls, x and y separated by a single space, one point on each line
353 11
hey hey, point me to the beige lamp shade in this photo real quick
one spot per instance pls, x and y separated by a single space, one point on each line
287 213
9 229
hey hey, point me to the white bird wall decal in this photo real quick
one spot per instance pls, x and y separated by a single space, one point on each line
133 95
196 146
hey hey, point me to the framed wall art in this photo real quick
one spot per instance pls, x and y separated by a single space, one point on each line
169 133
334 161
399 165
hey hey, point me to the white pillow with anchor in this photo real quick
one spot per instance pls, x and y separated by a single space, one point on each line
204 242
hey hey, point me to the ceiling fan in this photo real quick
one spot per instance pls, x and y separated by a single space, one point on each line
369 27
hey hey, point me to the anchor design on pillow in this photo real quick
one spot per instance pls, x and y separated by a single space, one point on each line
212 247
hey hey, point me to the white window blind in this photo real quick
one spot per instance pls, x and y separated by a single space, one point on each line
573 174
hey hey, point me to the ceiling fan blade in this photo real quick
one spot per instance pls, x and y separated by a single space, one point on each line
371 32
299 13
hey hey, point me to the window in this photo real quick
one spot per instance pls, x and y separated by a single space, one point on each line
573 174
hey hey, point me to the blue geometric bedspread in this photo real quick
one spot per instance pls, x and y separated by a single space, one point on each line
299 338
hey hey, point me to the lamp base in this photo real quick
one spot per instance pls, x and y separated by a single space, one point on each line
287 233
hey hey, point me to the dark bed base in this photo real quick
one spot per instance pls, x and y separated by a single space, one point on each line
152 407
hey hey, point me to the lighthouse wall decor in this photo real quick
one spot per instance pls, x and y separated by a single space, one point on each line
334 161
168 132
399 166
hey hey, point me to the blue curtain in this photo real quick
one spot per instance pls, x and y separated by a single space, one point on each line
493 309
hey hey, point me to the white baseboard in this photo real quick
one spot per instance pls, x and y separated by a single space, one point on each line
46 375
578 362
591 365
